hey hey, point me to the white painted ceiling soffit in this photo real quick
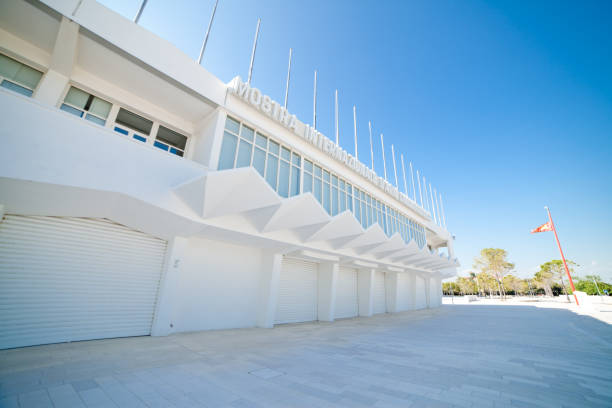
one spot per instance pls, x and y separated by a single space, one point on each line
372 236
357 264
343 225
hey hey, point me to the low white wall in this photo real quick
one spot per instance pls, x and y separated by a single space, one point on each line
218 286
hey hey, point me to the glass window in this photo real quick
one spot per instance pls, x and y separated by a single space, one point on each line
79 103
326 176
134 121
283 179
334 200
349 197
285 154
16 88
261 141
308 166
259 160
172 139
272 170
295 181
247 133
317 171
295 159
244 154
273 148
307 183
342 201
326 197
228 151
18 77
232 125
318 188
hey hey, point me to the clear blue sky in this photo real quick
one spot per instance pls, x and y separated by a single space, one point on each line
506 106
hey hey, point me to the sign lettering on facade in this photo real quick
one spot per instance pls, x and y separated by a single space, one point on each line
278 113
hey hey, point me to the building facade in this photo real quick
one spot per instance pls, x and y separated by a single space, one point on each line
141 195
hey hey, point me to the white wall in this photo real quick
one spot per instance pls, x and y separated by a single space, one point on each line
218 286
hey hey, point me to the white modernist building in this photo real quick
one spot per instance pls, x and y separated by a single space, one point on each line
140 195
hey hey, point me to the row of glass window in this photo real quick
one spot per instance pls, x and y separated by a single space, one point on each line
23 79
18 77
281 167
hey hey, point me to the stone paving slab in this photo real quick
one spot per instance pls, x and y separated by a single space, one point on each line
466 356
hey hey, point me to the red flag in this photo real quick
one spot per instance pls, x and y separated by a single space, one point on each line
542 228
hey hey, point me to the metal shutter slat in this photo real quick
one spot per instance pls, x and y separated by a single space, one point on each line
297 292
68 279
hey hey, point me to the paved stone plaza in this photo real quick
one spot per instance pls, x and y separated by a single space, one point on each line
457 355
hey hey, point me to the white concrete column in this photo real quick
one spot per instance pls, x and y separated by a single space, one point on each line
328 278
410 289
437 281
206 147
365 288
268 294
450 247
168 296
54 82
428 300
392 291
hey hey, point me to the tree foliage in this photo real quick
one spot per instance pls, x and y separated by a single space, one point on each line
494 262
494 277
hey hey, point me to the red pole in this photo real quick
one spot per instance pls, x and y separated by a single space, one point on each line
563 257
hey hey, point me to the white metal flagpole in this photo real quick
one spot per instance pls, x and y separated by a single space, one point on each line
140 10
382 144
253 52
371 146
443 215
314 102
413 187
404 174
394 166
337 131
355 131
437 207
420 191
426 199
433 207
288 77
212 16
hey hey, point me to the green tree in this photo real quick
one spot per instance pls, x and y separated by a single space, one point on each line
517 285
557 270
486 283
494 261
544 280
587 285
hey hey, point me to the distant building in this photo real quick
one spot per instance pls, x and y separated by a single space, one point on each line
140 195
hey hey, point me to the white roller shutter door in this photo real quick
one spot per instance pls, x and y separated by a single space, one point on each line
347 303
380 297
297 292
421 300
67 279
